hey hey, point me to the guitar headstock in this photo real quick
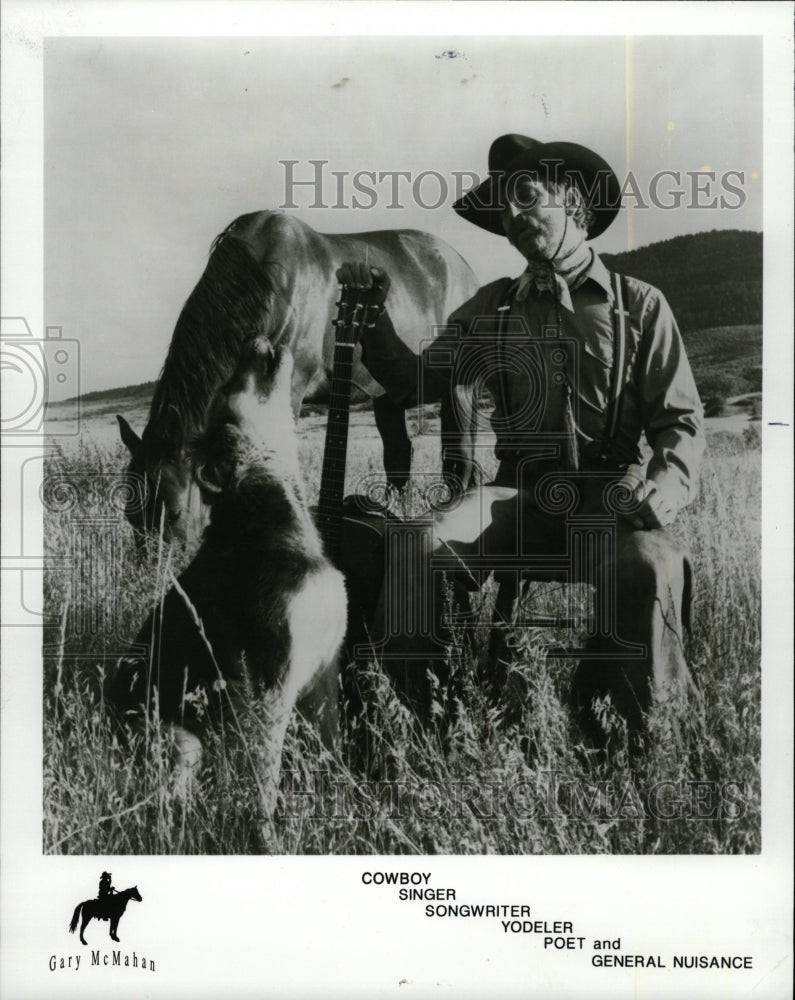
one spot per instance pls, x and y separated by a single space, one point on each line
358 309
350 314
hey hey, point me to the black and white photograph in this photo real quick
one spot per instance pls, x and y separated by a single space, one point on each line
397 498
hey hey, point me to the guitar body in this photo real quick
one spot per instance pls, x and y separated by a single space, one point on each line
353 528
362 560
354 531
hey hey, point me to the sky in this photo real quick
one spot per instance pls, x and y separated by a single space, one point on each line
152 146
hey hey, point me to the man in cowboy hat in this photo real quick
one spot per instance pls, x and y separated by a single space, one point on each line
580 364
105 887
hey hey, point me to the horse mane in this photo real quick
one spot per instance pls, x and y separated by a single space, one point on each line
229 307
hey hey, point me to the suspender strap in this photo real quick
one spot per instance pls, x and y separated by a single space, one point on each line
620 361
503 311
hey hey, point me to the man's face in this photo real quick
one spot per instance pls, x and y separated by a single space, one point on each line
534 219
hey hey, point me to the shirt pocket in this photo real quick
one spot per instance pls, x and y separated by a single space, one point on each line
596 367
598 345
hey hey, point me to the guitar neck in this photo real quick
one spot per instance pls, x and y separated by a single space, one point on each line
332 483
355 313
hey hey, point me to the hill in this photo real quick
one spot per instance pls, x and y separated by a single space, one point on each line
128 397
710 279
713 282
726 362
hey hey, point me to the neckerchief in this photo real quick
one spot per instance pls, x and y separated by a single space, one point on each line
567 273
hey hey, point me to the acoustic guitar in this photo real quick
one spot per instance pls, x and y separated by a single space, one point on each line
352 527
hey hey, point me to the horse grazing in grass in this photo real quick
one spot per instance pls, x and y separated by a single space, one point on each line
270 275
108 908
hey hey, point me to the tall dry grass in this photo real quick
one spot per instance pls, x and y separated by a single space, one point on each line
476 785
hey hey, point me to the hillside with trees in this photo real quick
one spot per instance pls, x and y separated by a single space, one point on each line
710 279
713 282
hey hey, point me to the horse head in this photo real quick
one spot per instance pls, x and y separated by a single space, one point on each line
155 491
134 894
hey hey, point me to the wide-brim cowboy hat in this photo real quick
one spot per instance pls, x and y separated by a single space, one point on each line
512 155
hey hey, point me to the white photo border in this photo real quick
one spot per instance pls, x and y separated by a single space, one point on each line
308 926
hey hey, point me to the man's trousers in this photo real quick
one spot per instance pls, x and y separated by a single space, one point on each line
565 527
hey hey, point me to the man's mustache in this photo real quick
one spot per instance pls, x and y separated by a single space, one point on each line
519 230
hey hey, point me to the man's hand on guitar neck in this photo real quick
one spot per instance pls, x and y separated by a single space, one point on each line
374 280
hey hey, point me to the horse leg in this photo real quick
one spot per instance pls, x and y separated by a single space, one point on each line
83 925
114 923
390 419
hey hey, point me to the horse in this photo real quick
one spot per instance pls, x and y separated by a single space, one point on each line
258 617
270 274
108 908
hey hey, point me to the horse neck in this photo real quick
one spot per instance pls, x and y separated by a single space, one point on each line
233 301
165 435
161 451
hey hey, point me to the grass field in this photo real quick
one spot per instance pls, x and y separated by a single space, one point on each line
474 788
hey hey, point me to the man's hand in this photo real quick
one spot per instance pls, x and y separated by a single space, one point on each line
359 275
651 506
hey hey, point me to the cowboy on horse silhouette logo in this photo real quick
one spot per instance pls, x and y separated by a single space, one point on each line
109 905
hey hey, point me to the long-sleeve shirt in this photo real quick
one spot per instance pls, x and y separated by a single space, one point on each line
527 367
